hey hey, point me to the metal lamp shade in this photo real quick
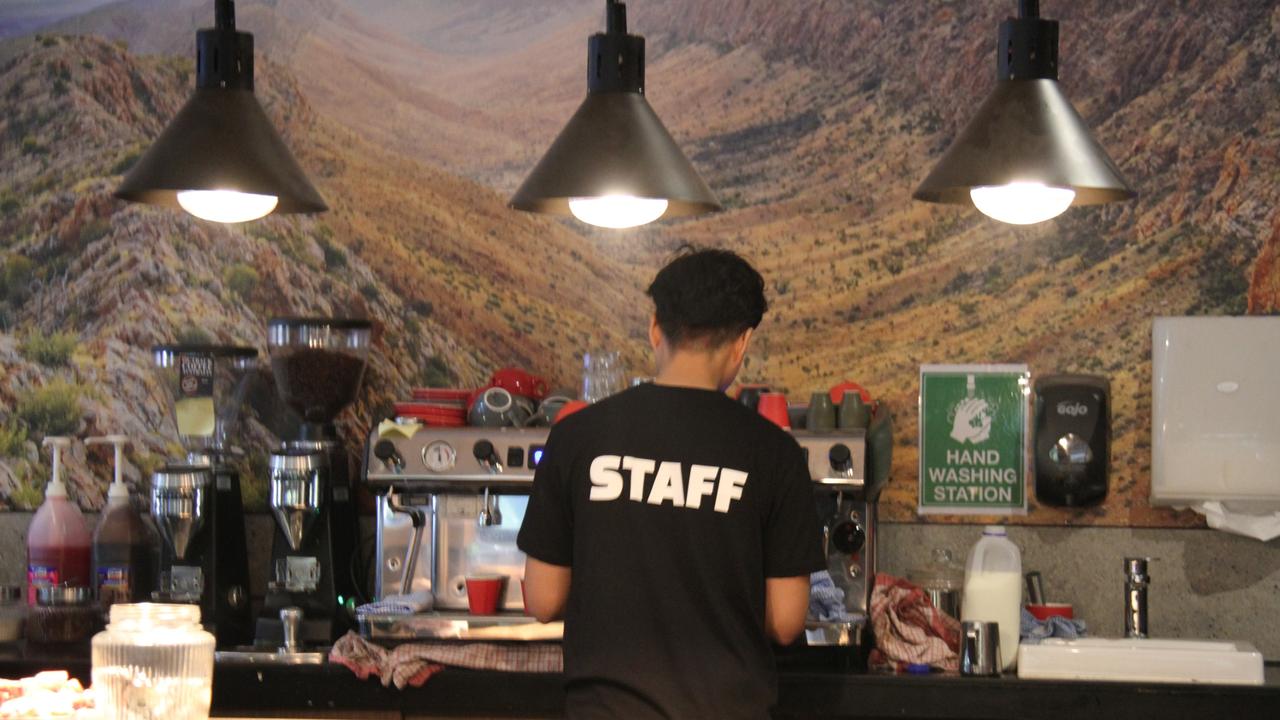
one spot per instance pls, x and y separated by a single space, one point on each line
1026 131
220 140
614 145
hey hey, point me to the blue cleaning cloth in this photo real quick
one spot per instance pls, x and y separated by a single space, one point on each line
1033 630
826 600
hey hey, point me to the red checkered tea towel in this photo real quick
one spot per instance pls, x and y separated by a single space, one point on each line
414 664
909 629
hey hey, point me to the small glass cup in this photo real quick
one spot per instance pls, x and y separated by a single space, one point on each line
603 375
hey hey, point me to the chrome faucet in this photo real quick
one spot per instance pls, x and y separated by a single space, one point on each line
1136 581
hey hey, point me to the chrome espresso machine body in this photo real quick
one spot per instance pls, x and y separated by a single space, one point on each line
450 502
849 468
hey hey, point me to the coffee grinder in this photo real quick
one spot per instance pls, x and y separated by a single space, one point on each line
196 504
317 364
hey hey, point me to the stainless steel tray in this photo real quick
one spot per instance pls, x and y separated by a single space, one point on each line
849 633
458 626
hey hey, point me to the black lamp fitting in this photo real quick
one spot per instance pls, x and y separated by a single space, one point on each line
224 57
615 60
1028 48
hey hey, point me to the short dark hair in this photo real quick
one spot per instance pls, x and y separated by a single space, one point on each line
707 295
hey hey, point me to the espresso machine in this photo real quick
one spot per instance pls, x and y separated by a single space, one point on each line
849 468
450 502
318 364
196 503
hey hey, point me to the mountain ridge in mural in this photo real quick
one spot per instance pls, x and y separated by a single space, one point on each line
813 125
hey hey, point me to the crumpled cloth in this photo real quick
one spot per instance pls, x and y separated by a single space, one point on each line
909 630
1034 630
399 604
414 664
826 599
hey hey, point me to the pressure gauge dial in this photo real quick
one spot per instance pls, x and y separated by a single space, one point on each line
439 456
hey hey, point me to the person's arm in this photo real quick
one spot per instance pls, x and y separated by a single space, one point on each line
793 548
546 536
786 603
546 589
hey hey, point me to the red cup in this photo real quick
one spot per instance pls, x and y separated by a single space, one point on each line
774 407
519 382
483 593
524 600
569 408
838 390
1047 610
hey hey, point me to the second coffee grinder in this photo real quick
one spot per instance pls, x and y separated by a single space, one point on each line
317 364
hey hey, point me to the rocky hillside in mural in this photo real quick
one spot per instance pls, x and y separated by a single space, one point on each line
455 284
813 121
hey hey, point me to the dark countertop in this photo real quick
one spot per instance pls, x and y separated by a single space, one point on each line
244 690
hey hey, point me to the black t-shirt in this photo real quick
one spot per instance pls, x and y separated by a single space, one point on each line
671 505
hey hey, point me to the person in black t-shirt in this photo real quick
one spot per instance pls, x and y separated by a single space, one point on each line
672 528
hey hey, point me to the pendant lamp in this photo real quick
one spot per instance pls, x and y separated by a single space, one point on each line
219 158
614 164
1027 155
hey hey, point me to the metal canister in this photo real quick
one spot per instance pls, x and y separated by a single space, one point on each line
980 648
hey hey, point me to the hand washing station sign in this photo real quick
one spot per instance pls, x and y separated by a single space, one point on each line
973 439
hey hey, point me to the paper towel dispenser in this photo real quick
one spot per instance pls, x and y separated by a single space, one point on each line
1215 397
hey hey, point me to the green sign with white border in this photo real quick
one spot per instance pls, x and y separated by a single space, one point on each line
973 439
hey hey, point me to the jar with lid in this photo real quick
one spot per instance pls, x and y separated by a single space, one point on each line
13 613
942 579
153 660
63 614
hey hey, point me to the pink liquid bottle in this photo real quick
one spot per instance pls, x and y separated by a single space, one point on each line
58 541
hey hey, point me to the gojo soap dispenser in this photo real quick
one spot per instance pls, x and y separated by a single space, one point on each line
1072 437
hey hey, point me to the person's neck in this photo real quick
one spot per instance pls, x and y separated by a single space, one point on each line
690 370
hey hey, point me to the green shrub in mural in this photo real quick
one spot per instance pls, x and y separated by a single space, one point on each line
241 279
51 350
51 409
13 439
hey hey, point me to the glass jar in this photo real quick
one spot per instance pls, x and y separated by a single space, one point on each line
63 614
153 661
13 613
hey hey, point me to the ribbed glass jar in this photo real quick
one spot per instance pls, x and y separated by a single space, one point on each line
153 662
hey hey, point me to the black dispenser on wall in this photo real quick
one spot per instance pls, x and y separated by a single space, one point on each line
1072 439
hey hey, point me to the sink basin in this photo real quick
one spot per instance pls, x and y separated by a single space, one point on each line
1145 660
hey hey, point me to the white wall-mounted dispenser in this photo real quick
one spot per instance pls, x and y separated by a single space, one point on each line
1215 420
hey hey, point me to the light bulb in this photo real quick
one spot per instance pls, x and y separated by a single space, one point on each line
226 206
1022 203
617 211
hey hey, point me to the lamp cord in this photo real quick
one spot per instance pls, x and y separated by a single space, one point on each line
1028 9
615 17
224 14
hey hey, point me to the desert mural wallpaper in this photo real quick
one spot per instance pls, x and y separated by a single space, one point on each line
812 119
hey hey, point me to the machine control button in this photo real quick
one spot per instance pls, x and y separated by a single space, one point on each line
386 451
848 536
840 457
515 456
439 456
487 455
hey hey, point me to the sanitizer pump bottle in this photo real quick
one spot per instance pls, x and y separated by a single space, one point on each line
58 540
122 567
